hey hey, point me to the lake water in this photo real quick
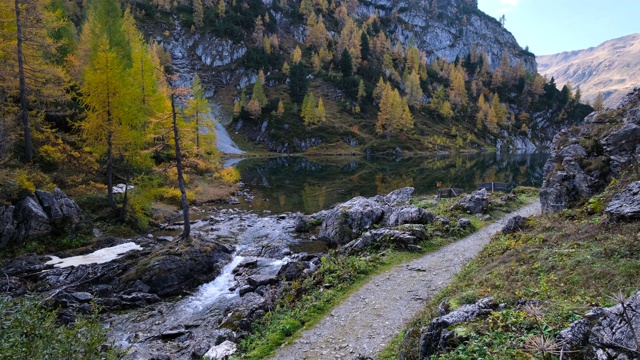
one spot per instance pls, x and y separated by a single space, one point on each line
310 184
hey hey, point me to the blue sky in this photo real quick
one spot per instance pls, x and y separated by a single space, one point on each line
553 26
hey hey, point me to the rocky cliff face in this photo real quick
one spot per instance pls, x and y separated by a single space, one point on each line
612 68
441 28
449 29
584 160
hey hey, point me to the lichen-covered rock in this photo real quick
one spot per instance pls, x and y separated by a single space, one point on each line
626 205
603 334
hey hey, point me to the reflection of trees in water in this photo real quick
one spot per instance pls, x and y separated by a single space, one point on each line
309 185
314 197
386 183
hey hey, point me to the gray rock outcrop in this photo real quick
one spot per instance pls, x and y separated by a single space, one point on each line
437 29
626 205
603 334
584 160
474 203
348 220
436 338
43 214
170 274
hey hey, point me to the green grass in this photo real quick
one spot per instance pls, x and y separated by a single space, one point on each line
307 301
571 262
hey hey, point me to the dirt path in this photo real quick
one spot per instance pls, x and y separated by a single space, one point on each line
366 321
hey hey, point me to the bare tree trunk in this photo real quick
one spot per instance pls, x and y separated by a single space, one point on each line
186 232
112 202
24 114
197 128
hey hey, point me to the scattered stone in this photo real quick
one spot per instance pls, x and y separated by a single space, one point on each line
626 205
169 274
140 297
464 223
222 351
515 224
292 270
257 280
245 289
436 338
380 237
82 296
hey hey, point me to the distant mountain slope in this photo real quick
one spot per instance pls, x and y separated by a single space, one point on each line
612 68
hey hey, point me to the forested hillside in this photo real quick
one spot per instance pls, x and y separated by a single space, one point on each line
446 59
97 92
86 104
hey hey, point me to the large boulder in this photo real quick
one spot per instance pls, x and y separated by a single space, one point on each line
43 214
603 334
59 208
626 205
169 274
475 203
348 220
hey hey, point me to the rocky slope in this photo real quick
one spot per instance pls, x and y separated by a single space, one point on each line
450 29
585 159
612 68
441 28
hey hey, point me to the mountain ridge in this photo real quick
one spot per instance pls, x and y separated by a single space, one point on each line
612 68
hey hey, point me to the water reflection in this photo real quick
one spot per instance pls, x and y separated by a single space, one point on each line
311 184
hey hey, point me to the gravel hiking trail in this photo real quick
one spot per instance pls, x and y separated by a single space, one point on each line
365 322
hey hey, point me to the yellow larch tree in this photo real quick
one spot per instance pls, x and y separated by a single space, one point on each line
413 90
27 71
350 38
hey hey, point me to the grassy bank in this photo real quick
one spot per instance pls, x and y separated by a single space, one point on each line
567 263
307 301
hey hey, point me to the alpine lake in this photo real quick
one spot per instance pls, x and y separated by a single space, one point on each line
310 184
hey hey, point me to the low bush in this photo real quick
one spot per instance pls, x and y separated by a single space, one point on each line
29 331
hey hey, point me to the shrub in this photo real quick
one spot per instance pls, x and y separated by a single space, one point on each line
229 175
174 196
29 331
